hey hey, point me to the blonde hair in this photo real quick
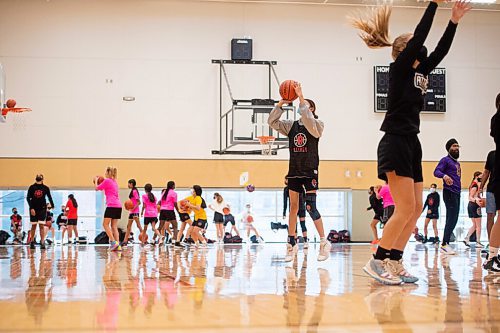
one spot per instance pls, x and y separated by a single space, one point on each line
374 30
111 172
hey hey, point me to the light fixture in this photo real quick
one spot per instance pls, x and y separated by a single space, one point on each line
128 98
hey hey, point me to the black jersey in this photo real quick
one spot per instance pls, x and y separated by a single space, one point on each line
304 157
490 166
407 85
36 197
432 203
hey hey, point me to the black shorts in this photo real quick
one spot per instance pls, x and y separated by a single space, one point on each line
299 184
401 154
131 216
218 218
200 223
232 221
474 210
149 220
40 216
377 217
432 216
114 213
167 215
301 213
72 221
184 217
388 211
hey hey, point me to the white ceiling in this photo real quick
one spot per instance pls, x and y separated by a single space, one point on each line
480 5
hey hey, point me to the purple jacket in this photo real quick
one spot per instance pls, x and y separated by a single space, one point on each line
450 167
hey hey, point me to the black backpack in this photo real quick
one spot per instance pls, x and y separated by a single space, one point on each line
4 235
102 238
344 236
333 236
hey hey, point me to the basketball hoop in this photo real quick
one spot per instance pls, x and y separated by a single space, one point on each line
266 143
19 123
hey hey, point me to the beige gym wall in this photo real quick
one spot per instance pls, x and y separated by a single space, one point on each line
78 173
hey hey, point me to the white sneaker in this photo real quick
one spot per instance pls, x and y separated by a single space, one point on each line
466 242
479 245
396 268
291 252
324 250
378 270
448 250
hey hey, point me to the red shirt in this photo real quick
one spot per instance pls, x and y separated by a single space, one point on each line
72 211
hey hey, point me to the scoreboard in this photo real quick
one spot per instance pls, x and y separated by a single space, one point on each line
434 100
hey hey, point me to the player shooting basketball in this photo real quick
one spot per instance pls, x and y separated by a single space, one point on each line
303 137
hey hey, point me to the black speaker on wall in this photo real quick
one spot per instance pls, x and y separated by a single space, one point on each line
241 49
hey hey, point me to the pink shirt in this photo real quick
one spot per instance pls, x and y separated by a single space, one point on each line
110 188
135 199
150 209
168 203
385 194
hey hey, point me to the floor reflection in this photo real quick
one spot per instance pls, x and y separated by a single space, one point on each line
240 287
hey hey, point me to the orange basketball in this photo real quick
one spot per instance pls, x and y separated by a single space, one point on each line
287 90
226 210
482 202
184 205
100 179
129 205
11 103
249 219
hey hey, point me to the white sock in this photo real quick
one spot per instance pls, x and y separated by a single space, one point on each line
493 252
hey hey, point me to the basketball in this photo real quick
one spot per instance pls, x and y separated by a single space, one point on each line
250 188
226 211
482 202
287 90
249 219
129 205
100 179
183 204
11 103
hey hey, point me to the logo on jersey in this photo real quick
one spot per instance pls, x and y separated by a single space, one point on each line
421 82
459 170
38 194
431 202
299 142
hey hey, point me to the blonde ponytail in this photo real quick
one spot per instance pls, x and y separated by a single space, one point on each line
111 172
374 26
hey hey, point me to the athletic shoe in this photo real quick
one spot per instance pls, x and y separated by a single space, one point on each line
486 250
162 241
49 241
479 245
493 265
32 245
375 242
436 240
378 270
397 269
260 240
425 240
488 264
124 245
324 250
448 250
306 245
291 252
178 245
42 246
114 245
466 242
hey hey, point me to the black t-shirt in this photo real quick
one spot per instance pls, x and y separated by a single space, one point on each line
490 166
407 85
304 157
432 202
36 197
62 219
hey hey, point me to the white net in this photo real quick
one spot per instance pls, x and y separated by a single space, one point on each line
266 144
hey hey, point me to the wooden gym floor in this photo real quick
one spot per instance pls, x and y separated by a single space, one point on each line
240 288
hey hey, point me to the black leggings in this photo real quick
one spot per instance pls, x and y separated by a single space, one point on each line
452 202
